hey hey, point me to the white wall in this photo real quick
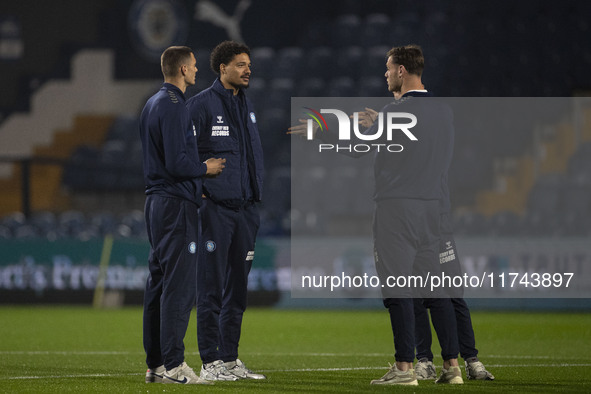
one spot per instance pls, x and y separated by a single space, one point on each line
91 90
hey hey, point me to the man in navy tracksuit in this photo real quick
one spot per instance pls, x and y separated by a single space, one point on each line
450 264
406 221
227 127
173 176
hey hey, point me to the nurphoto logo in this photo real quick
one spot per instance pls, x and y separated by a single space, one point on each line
388 122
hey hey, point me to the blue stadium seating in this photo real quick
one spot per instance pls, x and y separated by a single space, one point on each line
311 87
347 31
288 63
342 87
344 55
374 63
263 61
376 29
349 61
80 167
319 62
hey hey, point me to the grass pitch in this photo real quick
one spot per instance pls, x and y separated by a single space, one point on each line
68 349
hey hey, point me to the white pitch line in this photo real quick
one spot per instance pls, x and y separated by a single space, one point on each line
66 353
390 355
94 375
386 368
290 354
519 357
561 365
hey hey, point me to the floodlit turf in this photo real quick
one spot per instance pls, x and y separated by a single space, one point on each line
67 349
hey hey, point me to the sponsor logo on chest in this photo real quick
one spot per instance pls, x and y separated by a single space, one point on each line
219 129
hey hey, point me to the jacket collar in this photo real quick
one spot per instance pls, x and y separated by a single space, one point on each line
178 91
219 88
417 93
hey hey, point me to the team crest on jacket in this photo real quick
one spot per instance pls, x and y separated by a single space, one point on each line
210 246
253 117
192 247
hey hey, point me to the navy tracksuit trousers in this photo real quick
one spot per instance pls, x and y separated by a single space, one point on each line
170 295
226 255
406 241
451 267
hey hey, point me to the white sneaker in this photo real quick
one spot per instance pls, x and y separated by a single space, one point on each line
453 375
155 375
216 371
238 368
425 370
396 376
475 370
183 374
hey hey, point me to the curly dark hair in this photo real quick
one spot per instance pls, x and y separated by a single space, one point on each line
224 53
409 56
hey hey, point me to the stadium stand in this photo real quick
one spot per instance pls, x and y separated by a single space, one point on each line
342 54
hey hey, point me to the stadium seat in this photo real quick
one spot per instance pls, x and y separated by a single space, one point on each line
112 158
71 223
311 87
124 128
25 231
342 87
279 94
504 224
469 223
579 164
436 26
205 74
45 223
575 197
134 220
339 180
263 62
373 87
317 32
362 198
288 63
319 63
409 20
544 198
575 207
5 232
13 220
374 63
544 205
312 178
273 125
80 169
276 144
278 191
132 176
347 31
536 224
257 91
277 201
104 222
376 29
349 61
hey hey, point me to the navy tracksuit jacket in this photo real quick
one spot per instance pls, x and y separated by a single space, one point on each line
227 127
